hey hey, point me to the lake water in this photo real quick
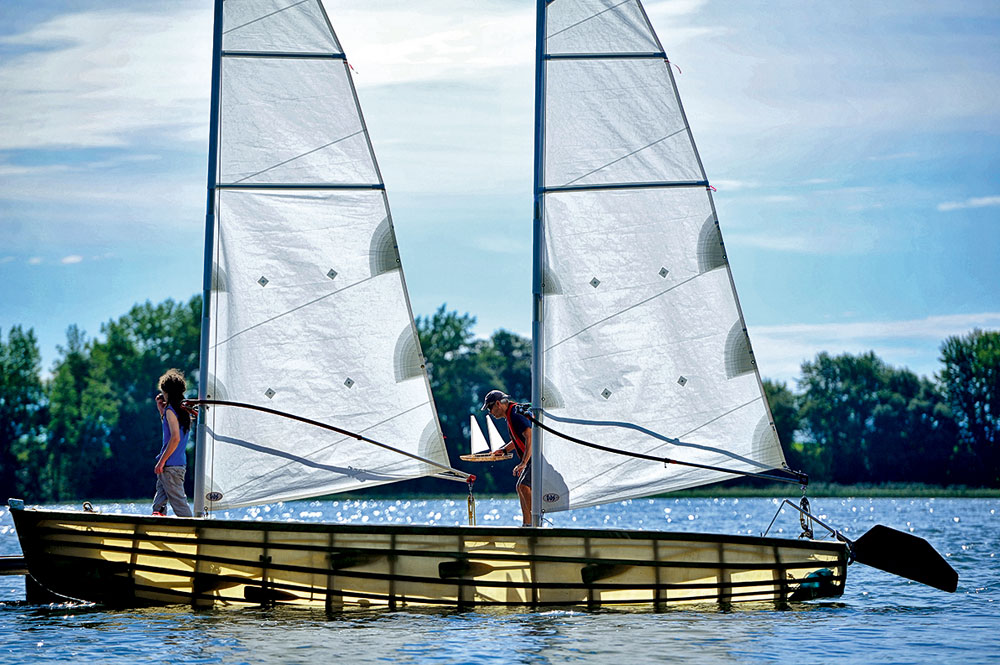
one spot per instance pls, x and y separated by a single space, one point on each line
880 618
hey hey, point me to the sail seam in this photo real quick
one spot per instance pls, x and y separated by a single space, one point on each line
649 55
296 185
300 156
626 156
261 18
611 316
284 55
582 21
626 185
294 309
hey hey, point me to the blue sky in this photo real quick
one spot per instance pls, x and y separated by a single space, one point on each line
855 147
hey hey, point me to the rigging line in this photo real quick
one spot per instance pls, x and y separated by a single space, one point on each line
316 423
611 316
357 474
292 159
261 18
570 27
661 437
615 161
324 448
800 478
294 309
692 431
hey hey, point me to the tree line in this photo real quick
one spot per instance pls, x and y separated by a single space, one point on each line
88 429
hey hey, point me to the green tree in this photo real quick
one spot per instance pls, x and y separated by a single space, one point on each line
82 413
839 398
785 410
462 370
22 413
913 433
970 381
137 348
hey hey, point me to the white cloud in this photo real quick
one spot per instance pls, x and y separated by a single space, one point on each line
95 78
734 185
72 258
34 261
913 343
979 202
6 259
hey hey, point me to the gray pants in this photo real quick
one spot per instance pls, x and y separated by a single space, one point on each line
170 485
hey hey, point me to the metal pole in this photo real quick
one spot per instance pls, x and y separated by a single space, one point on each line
538 263
201 446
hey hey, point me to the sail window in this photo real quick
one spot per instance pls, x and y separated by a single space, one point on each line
595 282
739 359
349 382
383 256
262 281
331 273
711 254
407 362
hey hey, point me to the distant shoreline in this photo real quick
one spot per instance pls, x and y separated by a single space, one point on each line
901 490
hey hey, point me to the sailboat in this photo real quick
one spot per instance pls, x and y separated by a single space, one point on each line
313 380
479 449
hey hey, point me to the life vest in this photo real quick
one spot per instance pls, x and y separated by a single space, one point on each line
514 436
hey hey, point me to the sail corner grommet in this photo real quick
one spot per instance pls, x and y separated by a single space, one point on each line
263 281
595 282
269 393
606 393
349 382
682 381
331 273
664 272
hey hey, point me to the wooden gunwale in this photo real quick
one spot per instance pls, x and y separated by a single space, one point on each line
382 551
416 529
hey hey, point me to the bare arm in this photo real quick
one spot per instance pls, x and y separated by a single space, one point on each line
175 438
527 453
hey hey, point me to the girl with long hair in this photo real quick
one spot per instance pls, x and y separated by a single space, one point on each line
171 463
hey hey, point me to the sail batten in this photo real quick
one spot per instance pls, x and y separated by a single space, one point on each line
309 310
642 327
606 56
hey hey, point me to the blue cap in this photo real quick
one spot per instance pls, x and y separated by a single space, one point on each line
492 397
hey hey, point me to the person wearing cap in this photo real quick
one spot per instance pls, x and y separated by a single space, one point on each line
499 405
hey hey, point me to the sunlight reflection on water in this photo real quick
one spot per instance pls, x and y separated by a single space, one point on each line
880 618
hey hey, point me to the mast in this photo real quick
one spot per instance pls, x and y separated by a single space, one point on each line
200 451
538 264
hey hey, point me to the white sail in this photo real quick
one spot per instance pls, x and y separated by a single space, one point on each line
644 345
309 309
477 442
496 441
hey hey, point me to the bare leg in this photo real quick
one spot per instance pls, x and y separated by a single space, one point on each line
524 494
